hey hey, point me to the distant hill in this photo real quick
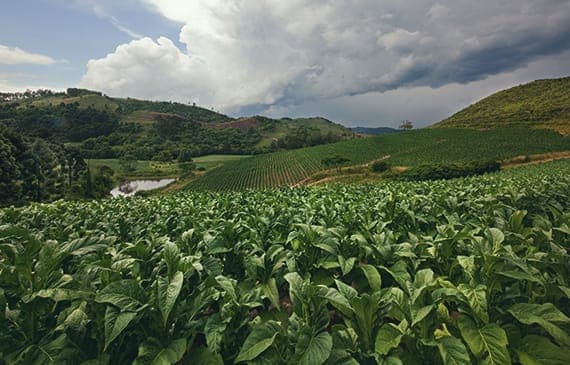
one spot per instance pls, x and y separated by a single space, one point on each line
105 127
412 148
539 104
374 131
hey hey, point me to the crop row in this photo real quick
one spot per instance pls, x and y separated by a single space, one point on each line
472 270
427 146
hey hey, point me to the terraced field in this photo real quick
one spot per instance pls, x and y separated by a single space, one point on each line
426 146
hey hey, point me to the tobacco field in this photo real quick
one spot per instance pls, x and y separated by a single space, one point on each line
466 271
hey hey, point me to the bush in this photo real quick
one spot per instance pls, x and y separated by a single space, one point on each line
450 171
380 166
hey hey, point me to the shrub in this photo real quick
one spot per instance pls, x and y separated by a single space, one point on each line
450 171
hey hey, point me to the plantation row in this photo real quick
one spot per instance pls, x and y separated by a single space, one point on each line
427 146
474 270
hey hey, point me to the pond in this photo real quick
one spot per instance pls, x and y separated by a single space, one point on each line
130 188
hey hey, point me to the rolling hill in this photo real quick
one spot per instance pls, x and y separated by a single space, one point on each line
105 127
413 148
539 104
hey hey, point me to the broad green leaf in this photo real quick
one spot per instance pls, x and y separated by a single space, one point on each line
312 349
374 279
168 292
387 338
390 360
228 286
203 356
488 342
336 299
115 323
341 357
346 290
468 264
152 352
538 350
271 292
295 283
259 340
421 313
477 298
453 351
126 295
545 315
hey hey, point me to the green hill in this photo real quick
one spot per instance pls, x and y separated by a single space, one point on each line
425 146
539 104
105 127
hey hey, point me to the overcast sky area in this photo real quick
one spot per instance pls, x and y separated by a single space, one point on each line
357 62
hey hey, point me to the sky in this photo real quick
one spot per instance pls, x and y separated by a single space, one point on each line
357 62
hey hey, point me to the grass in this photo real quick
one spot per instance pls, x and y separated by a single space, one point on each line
154 169
426 146
542 104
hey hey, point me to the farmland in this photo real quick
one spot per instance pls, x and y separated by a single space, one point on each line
427 146
472 270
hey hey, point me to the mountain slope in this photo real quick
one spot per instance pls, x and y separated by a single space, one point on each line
539 104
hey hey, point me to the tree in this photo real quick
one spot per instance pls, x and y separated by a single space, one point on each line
406 125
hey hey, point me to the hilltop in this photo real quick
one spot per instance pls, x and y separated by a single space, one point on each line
105 127
538 104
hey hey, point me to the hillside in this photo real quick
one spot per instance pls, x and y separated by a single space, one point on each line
539 104
426 146
105 127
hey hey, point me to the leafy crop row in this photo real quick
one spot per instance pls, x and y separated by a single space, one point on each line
474 270
427 146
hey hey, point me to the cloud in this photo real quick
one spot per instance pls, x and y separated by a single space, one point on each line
17 56
251 55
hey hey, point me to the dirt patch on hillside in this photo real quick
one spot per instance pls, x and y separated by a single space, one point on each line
534 159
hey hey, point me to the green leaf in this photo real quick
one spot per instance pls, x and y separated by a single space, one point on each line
115 323
259 340
311 349
468 264
338 300
452 351
295 287
489 342
124 294
374 279
477 298
152 352
387 338
168 292
101 360
341 357
228 286
545 315
271 292
538 350
203 356
421 313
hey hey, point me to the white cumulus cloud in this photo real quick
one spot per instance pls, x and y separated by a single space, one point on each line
239 54
17 56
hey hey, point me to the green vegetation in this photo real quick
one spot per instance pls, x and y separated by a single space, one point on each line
35 170
414 148
542 103
103 127
473 270
449 171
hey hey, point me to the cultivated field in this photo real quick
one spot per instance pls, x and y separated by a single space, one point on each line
472 270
